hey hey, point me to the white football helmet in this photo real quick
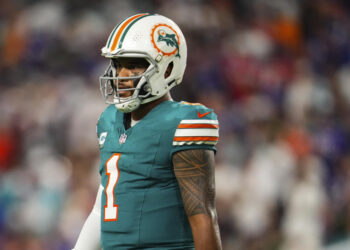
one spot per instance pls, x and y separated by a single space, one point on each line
158 40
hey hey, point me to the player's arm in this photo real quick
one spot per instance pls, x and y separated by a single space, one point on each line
89 237
194 170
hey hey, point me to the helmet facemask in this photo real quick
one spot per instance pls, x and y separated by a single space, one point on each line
113 90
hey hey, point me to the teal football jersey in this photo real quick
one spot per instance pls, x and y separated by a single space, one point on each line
141 203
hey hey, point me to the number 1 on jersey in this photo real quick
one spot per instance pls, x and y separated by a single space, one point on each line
112 170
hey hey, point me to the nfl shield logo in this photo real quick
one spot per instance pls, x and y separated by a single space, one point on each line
122 138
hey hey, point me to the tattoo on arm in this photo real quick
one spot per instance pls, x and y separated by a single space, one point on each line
194 170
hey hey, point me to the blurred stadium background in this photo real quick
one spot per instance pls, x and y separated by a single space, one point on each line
276 72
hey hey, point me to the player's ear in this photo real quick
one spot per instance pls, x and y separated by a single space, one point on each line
169 70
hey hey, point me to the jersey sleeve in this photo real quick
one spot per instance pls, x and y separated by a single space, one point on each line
198 129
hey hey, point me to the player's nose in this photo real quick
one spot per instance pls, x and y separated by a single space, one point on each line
124 72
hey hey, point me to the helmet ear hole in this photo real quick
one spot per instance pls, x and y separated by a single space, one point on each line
169 70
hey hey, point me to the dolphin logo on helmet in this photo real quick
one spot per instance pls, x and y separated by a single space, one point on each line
169 39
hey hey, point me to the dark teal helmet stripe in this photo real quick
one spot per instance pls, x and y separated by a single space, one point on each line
115 29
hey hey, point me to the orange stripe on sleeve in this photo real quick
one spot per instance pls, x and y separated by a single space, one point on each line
120 31
198 126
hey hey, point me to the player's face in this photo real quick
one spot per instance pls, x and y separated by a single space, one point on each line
128 67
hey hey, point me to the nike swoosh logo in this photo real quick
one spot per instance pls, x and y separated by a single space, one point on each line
204 114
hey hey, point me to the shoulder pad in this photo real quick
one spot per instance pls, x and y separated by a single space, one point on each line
107 116
199 125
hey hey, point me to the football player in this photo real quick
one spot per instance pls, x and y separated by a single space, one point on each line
157 155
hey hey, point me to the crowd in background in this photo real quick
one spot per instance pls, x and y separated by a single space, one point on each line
277 73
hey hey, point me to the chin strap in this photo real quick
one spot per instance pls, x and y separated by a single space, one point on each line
128 106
